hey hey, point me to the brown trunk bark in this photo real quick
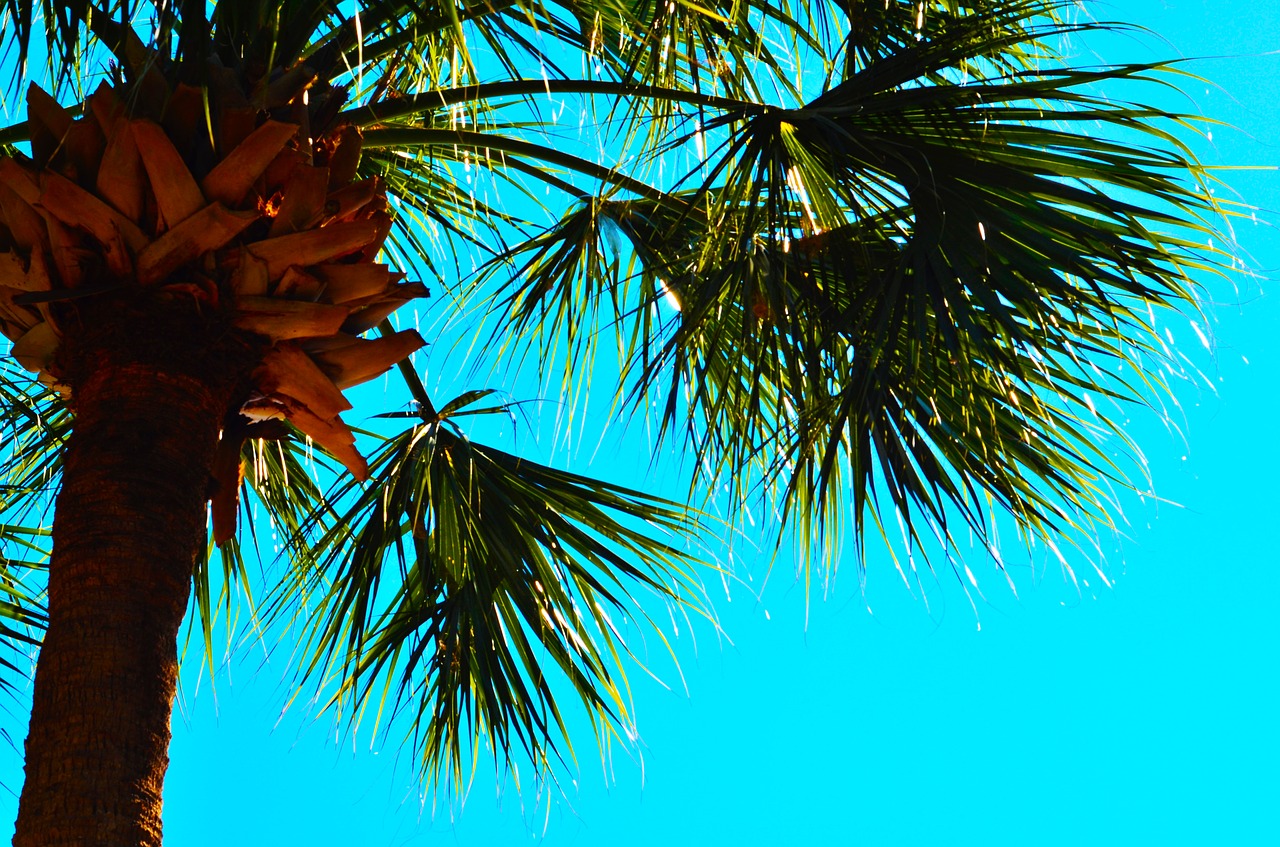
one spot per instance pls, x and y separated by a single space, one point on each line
129 522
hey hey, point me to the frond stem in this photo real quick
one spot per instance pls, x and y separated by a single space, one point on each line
411 138
428 100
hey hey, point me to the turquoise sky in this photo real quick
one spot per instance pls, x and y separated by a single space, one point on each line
1141 713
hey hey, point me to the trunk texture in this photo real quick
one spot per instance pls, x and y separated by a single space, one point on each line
129 522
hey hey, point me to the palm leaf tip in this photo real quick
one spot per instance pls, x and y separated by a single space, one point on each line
515 587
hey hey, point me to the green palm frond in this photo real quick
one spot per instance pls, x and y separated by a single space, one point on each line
897 298
24 552
1011 257
595 280
34 423
476 592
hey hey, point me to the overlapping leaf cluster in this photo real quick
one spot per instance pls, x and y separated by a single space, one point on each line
897 297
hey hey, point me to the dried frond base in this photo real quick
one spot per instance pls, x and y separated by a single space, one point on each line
276 236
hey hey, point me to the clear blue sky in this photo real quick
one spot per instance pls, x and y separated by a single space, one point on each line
1138 714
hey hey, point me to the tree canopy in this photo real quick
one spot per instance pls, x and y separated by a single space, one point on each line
869 264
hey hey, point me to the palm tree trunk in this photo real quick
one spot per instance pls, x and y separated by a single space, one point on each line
129 521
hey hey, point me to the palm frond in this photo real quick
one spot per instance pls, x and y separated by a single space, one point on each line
900 297
474 592
34 424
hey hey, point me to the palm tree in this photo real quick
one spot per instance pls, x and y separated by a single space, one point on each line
861 258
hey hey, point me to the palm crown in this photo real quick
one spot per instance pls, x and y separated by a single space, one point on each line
864 259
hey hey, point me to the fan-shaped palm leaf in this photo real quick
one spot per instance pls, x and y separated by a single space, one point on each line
462 580
904 286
